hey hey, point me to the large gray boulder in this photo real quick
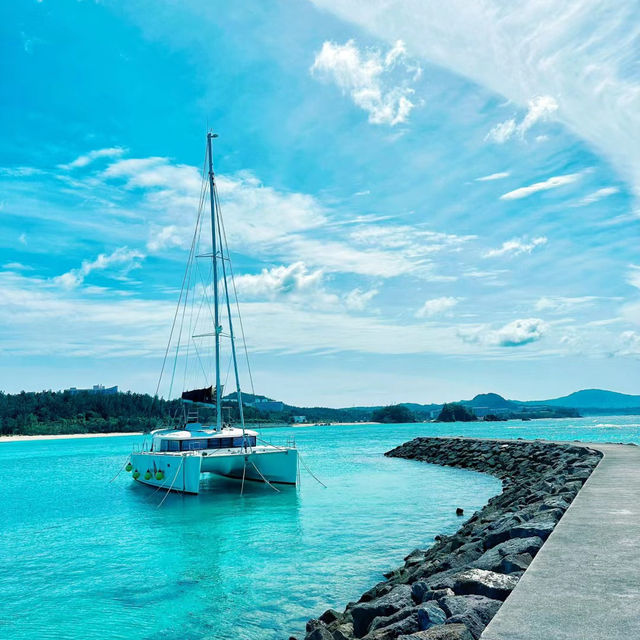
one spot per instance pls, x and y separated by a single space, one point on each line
363 613
343 632
485 583
441 632
385 621
512 564
533 528
319 633
406 626
421 592
491 560
485 607
430 614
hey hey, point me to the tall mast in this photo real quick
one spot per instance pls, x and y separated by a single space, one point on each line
231 334
215 279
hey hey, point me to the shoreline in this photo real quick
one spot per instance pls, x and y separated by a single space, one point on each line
455 587
70 436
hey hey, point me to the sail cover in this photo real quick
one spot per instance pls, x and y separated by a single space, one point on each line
205 396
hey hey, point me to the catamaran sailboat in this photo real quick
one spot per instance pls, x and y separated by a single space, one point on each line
178 456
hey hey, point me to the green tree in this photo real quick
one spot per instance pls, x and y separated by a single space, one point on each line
396 413
454 412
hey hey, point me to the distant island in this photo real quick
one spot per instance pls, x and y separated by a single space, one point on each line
100 410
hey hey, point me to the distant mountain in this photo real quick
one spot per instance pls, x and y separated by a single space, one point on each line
592 399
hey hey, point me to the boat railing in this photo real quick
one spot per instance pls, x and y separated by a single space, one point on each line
280 443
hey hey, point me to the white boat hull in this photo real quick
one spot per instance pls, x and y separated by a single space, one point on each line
182 471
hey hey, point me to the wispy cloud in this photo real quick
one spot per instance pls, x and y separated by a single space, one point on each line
358 300
436 306
122 256
562 303
597 195
629 344
494 176
584 56
376 82
633 275
516 247
551 183
88 158
540 109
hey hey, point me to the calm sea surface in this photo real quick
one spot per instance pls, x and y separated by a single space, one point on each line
81 557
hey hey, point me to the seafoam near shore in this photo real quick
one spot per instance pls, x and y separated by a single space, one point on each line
452 590
68 436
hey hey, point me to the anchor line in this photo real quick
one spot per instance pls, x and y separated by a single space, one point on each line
244 471
121 468
260 473
311 472
174 479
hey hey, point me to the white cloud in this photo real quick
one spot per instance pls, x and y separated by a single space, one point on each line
357 299
88 158
551 183
633 275
167 237
516 247
514 334
494 176
540 109
22 238
369 76
121 256
436 306
278 281
597 195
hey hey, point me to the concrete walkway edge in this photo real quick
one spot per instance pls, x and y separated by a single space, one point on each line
584 584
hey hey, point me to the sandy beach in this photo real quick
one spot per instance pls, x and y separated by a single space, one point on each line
68 436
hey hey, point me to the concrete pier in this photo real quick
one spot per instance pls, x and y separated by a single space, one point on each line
584 584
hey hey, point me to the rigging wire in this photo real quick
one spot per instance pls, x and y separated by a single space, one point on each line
182 289
235 295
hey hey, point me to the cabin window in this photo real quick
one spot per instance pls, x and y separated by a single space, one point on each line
173 445
192 445
238 442
164 445
252 441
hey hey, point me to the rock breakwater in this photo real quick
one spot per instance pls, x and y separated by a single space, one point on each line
451 590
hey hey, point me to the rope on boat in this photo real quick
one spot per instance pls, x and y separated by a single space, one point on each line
171 487
244 471
310 472
258 470
121 468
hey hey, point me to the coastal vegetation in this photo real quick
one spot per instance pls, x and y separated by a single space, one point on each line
454 412
395 413
74 411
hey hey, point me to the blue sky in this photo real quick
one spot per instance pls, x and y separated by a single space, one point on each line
423 203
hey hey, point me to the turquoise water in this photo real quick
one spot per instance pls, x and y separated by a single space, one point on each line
85 558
